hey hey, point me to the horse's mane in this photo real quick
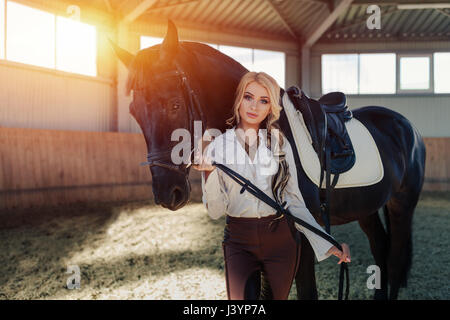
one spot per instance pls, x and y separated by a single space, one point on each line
206 50
138 69
142 62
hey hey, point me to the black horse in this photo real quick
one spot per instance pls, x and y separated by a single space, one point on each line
177 82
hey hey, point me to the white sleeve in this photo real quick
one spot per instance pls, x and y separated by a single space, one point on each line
215 196
298 208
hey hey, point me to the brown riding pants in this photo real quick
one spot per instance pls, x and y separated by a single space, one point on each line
253 245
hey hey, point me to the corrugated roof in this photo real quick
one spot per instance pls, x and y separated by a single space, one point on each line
289 19
396 24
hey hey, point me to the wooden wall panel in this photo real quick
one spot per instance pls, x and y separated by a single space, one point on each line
38 98
52 167
437 168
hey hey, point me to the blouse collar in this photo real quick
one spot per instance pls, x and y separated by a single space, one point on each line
231 135
263 154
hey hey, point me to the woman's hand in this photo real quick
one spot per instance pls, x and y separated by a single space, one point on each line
344 255
202 162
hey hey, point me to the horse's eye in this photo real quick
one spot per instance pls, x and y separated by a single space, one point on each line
176 106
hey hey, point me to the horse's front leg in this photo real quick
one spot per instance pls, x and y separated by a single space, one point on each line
305 279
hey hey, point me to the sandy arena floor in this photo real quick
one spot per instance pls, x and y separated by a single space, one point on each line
141 251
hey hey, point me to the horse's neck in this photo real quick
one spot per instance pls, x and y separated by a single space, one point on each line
217 90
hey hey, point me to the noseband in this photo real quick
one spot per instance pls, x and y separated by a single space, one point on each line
162 158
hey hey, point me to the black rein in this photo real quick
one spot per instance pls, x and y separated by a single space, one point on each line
247 185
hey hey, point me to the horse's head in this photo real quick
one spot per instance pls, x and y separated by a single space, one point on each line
164 100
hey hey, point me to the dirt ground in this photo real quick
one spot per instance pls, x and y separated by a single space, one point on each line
142 251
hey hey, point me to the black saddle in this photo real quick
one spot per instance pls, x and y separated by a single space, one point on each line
325 120
334 102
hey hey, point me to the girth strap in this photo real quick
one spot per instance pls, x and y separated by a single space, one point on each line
325 212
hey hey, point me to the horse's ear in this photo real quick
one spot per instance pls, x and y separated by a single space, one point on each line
122 54
170 44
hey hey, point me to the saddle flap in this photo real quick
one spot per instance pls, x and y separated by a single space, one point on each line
327 129
366 170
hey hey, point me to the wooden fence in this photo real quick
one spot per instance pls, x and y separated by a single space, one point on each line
52 167
437 166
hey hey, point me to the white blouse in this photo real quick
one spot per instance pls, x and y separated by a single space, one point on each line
221 194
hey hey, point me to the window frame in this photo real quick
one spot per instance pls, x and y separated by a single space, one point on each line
3 4
434 75
358 53
402 52
219 45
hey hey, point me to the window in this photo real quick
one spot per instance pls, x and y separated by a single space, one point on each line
370 73
2 29
30 35
442 72
272 63
340 73
415 73
386 73
377 73
43 39
150 41
242 55
76 47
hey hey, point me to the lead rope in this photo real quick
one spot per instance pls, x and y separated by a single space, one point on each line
247 185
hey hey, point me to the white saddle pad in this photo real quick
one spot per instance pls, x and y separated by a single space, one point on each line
368 167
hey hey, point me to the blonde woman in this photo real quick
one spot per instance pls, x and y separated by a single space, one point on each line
254 241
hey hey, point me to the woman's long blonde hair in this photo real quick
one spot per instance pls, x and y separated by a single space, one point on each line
273 89
280 179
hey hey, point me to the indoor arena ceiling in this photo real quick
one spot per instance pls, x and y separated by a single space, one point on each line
304 21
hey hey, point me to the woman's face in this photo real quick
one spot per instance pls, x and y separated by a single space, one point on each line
255 105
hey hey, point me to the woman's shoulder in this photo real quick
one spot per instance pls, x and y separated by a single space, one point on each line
216 137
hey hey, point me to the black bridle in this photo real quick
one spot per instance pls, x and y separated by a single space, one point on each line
162 158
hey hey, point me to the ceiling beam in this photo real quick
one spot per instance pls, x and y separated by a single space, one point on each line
225 35
328 3
412 6
323 26
398 2
138 11
443 12
282 19
108 6
359 22
165 6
